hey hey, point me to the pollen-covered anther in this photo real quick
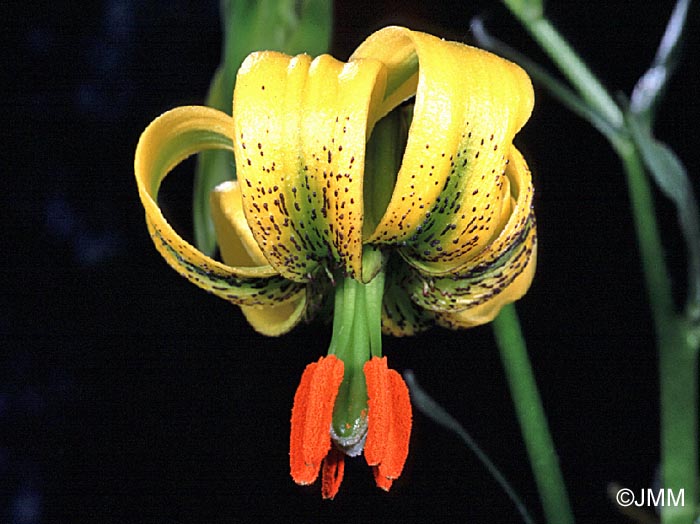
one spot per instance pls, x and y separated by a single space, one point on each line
390 419
312 414
384 433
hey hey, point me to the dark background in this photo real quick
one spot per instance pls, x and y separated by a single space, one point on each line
129 395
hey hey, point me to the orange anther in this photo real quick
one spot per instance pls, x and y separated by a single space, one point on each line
312 414
389 421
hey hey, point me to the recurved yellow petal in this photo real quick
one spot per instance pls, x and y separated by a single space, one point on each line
488 310
238 248
499 274
300 132
274 321
166 142
450 191
459 210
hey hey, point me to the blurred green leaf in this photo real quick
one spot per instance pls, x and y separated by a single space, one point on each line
289 26
671 177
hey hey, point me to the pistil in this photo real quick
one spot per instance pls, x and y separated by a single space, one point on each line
356 338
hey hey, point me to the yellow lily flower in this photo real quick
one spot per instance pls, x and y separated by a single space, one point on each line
408 225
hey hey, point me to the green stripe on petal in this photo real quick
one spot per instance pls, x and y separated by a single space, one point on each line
498 282
301 128
499 274
512 210
165 143
450 189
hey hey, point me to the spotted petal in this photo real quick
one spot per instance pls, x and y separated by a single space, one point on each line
451 199
402 316
166 142
500 274
300 133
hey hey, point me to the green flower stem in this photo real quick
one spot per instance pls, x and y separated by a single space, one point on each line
678 359
373 310
533 423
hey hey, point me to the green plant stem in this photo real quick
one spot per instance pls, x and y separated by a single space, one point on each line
656 274
678 366
571 65
678 374
678 360
533 423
